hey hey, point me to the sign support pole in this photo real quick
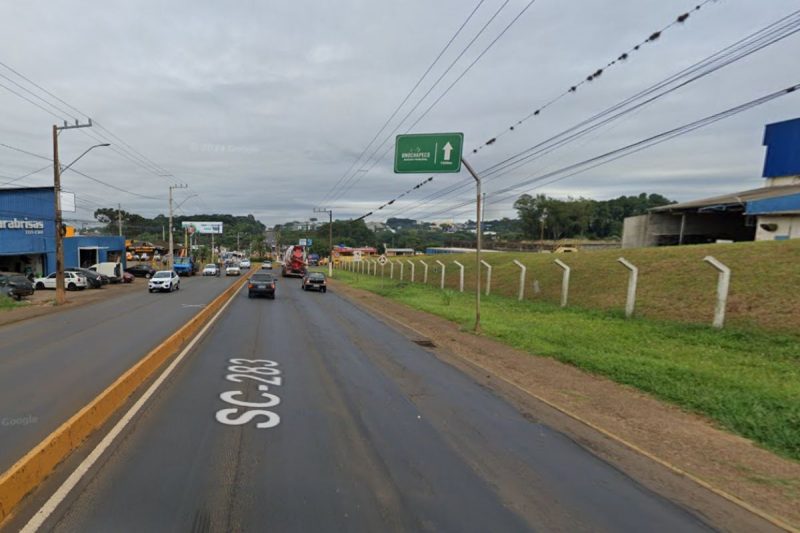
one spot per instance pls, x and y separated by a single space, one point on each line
477 247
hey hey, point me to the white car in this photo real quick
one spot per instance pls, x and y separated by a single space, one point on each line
211 270
164 280
73 281
233 270
245 263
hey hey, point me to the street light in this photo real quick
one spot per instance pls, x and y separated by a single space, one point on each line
61 296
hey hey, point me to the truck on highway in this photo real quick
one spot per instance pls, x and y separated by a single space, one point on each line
184 266
294 262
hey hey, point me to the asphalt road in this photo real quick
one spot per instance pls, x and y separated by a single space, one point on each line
51 366
363 431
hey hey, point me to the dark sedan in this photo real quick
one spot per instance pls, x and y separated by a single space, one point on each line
141 271
315 281
15 285
261 284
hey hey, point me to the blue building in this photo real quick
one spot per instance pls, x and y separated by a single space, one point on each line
27 235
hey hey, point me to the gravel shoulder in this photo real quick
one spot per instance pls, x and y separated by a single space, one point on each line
689 443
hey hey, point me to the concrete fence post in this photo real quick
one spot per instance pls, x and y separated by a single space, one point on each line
723 284
391 269
424 272
401 269
412 269
633 280
460 277
564 282
488 276
523 269
441 285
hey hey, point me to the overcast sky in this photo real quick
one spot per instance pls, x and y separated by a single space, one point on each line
261 107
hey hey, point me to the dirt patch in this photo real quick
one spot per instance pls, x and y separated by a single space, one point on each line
43 301
689 442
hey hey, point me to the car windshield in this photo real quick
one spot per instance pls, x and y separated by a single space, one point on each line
211 266
261 278
316 275
162 274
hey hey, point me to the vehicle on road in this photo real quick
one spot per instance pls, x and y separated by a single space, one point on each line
315 281
141 271
72 281
127 277
164 280
15 285
211 269
233 270
261 284
294 262
184 266
112 270
94 279
245 263
266 265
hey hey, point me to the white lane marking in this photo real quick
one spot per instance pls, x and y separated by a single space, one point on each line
193 305
63 491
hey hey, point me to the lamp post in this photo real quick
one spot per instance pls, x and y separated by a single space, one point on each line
330 238
171 243
61 296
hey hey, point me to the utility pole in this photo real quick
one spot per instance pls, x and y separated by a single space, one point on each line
61 297
330 237
171 243
119 218
477 247
237 241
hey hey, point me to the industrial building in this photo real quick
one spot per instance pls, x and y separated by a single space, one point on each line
28 238
770 212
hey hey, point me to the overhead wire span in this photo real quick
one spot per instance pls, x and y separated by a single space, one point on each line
595 74
408 95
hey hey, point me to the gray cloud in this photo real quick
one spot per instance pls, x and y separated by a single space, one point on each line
261 107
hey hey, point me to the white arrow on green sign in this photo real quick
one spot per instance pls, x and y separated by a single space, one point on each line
428 153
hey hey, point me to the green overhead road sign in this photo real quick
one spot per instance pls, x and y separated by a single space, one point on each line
428 153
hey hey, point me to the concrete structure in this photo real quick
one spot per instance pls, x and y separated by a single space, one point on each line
27 235
393 252
767 213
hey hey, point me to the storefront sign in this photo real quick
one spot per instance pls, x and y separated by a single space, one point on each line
31 227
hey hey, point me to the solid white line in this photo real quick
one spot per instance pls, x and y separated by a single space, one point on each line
61 493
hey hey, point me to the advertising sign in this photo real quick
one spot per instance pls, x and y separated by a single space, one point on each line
203 228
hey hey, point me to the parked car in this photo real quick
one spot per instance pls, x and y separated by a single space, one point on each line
261 284
233 270
141 271
73 281
164 280
267 265
127 277
15 285
314 281
211 269
110 269
93 279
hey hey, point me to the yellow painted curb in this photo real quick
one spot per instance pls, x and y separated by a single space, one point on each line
27 473
774 520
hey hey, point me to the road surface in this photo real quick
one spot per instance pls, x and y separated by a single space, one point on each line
51 366
362 430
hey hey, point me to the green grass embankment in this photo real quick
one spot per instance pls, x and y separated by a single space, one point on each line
748 381
674 282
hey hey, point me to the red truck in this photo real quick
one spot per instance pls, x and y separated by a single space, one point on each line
294 262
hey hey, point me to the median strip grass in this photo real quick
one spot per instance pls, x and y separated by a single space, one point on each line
746 380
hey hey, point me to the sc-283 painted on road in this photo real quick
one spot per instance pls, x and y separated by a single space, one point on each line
263 376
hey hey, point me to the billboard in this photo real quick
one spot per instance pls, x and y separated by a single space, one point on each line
195 226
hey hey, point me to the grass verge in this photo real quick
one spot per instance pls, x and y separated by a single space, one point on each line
746 380
7 303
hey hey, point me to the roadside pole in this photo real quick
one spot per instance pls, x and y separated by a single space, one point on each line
478 232
330 237
171 241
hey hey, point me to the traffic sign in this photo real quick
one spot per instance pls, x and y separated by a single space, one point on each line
428 152
382 260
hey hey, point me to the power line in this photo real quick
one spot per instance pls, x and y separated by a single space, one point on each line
633 148
403 102
771 34
428 92
572 89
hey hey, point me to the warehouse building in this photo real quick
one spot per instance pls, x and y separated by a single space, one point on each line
771 212
27 235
